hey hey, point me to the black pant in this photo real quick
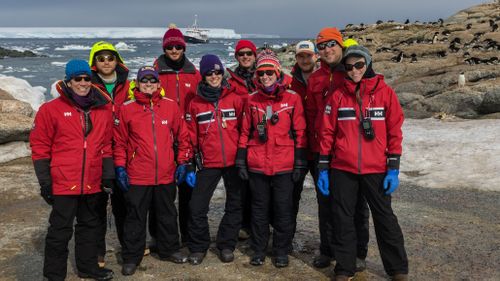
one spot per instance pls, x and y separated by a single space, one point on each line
246 204
206 183
64 211
185 193
345 190
272 192
326 223
119 212
138 200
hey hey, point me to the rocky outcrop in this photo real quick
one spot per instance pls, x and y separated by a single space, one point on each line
434 54
15 54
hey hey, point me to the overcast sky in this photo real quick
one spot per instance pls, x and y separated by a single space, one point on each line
292 18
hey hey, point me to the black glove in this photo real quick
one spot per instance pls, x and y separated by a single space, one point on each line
298 174
243 173
46 193
108 185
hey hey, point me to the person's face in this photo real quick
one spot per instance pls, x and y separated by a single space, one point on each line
330 52
148 84
267 77
105 63
214 78
355 68
306 61
174 52
245 58
80 85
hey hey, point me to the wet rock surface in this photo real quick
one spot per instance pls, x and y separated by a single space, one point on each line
450 234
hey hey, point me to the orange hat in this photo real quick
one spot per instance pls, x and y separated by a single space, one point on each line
328 34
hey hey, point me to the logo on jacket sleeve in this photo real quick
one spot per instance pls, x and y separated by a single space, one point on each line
328 109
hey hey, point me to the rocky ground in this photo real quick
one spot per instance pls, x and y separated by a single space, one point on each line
15 54
467 42
450 234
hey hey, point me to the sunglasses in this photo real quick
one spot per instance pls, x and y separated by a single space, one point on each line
145 80
329 44
212 72
177 47
103 58
80 78
261 73
243 53
358 66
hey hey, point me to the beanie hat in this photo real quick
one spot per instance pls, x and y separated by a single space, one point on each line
328 34
350 42
305 47
242 44
209 63
359 51
173 37
77 67
267 60
145 71
102 46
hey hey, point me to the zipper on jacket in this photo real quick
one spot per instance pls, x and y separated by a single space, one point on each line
84 129
154 143
177 88
217 115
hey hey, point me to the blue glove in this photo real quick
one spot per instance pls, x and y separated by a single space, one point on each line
180 174
191 179
122 177
323 182
391 181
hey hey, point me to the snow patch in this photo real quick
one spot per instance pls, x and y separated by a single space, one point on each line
22 90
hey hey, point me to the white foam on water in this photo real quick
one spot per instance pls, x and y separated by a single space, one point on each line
58 63
72 48
122 46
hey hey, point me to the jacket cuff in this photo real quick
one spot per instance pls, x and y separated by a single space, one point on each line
324 162
108 168
393 161
42 171
241 158
190 167
300 160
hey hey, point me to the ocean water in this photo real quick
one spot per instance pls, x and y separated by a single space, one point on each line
44 71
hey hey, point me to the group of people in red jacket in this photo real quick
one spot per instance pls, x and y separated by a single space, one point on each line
178 128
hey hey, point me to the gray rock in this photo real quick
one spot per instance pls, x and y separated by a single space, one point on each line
15 106
491 102
14 127
463 103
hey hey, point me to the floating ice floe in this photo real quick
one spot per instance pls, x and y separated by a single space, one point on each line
58 63
21 90
122 46
72 48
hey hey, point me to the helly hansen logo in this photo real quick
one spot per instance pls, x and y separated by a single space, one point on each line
328 109
377 113
164 122
188 117
188 85
67 114
284 105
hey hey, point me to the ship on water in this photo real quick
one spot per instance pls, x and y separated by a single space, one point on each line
196 35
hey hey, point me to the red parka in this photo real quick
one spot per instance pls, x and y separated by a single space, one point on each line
321 83
73 148
277 154
215 128
144 138
179 86
340 133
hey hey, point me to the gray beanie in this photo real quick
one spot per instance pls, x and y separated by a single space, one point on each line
358 50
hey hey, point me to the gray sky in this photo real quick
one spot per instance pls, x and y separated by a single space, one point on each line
291 18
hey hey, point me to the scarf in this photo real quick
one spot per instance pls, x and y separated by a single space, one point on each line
83 102
175 65
209 93
247 75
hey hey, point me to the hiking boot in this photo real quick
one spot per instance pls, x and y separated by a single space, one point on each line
196 258
128 268
177 257
99 274
280 261
244 234
322 261
257 260
399 277
360 265
226 255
